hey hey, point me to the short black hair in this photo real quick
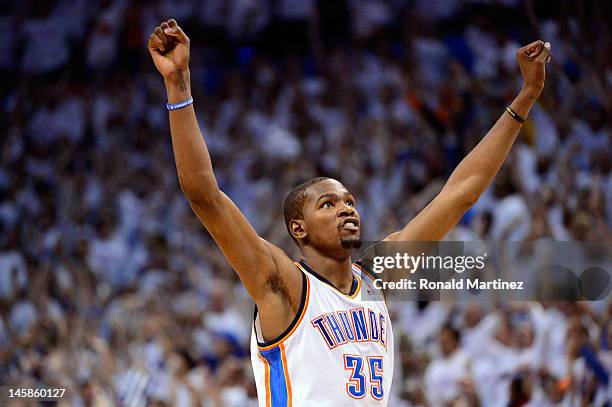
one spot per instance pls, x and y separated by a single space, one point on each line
294 202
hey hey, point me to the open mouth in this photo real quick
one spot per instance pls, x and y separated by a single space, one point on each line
351 224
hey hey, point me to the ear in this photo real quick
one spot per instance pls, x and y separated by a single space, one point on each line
297 227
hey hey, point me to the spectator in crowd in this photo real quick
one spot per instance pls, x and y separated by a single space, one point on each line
109 287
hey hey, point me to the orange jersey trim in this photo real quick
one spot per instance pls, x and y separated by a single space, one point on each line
266 380
364 272
286 372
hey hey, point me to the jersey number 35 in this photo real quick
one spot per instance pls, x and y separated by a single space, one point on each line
364 378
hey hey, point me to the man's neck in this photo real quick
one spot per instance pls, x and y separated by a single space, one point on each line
336 271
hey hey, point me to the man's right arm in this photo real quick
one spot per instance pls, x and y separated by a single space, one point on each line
265 270
248 254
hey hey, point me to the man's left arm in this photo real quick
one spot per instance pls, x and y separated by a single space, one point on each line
477 170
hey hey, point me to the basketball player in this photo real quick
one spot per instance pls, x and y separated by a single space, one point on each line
314 342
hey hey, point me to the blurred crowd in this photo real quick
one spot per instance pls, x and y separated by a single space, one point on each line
110 287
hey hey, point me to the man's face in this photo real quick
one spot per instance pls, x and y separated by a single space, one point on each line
330 218
448 342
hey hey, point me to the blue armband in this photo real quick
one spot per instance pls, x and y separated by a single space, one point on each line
180 105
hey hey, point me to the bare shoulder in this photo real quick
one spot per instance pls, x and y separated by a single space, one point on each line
286 280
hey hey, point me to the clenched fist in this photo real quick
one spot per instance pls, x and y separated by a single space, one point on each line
531 59
169 48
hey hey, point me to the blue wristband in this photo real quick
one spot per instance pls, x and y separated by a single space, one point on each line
179 105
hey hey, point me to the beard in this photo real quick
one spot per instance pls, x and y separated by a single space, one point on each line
351 243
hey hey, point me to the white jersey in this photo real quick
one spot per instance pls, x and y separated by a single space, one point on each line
338 351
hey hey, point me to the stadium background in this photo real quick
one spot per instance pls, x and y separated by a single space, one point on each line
110 287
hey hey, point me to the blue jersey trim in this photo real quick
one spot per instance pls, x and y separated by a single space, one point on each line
278 384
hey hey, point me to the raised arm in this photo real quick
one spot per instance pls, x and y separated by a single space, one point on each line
476 171
265 270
